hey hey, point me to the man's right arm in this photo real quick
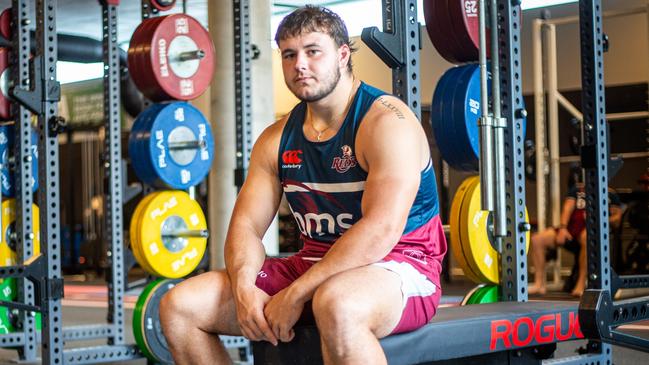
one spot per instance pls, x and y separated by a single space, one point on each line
253 212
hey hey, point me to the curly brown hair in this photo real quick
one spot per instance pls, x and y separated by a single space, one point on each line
314 18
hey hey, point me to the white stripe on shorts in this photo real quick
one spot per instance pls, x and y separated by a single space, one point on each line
413 283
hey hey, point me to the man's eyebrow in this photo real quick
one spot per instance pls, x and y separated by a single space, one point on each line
310 45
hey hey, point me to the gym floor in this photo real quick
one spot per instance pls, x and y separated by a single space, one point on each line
86 304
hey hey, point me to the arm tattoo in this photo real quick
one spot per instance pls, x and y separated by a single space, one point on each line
393 108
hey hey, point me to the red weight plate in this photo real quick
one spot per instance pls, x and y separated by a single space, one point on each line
464 18
5 105
140 41
443 43
5 23
176 34
151 87
163 5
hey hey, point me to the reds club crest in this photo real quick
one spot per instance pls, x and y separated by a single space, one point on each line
346 162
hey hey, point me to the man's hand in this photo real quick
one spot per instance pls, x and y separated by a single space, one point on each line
250 314
563 235
282 311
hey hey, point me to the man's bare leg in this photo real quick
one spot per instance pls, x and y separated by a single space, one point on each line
193 313
355 308
539 246
580 285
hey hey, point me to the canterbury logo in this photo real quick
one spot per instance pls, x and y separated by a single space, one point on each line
292 157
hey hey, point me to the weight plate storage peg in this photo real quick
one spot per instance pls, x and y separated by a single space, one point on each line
171 58
146 322
170 234
171 146
7 170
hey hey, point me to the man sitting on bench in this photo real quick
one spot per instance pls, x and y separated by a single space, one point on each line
355 166
571 235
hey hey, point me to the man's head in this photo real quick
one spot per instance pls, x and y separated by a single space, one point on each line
313 18
315 51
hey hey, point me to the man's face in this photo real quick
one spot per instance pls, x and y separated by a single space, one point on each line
311 63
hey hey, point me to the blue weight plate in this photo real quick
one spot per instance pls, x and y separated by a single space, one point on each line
137 141
438 108
7 185
171 172
451 119
149 175
135 136
467 111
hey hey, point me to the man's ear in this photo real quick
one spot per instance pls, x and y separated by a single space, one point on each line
344 54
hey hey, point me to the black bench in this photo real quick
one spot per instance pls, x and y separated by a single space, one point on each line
455 332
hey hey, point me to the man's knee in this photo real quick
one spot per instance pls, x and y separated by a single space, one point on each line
171 306
334 308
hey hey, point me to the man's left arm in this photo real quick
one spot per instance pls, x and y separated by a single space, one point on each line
392 147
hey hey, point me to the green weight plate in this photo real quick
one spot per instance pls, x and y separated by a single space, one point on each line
146 322
486 294
467 297
7 292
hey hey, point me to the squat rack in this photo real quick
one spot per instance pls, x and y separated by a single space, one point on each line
489 325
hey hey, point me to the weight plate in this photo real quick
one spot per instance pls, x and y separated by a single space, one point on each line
440 31
136 221
439 107
7 293
142 163
485 294
455 225
7 182
469 294
5 24
168 234
8 244
146 321
463 15
178 57
475 238
177 142
5 104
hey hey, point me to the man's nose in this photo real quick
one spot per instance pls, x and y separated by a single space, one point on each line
300 61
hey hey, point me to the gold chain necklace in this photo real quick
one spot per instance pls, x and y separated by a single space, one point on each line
321 132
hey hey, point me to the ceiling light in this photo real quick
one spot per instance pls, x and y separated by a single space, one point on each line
531 4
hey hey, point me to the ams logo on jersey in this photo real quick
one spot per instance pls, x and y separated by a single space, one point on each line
291 159
346 162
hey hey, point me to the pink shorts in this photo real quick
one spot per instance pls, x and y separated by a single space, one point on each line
421 295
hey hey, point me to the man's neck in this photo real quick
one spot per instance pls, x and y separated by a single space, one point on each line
329 110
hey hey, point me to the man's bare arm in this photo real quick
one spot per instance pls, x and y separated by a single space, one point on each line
253 212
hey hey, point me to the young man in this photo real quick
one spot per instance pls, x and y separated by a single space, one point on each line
355 166
571 235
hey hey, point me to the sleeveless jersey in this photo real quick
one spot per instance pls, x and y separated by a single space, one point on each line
324 183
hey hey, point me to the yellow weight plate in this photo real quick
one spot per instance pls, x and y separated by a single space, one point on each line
164 194
167 234
7 253
455 225
138 244
480 254
136 222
